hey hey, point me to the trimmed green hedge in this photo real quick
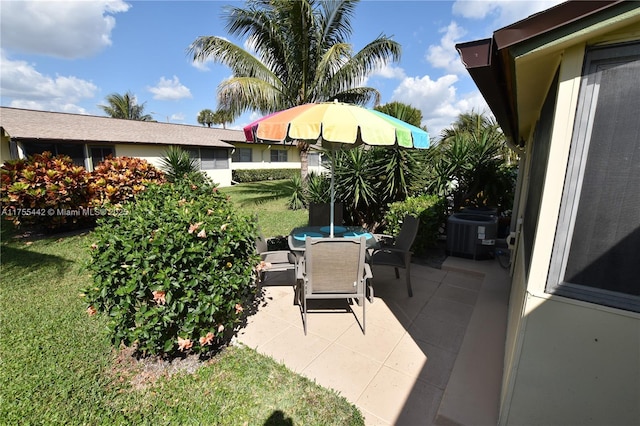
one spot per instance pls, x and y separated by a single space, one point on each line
257 175
431 212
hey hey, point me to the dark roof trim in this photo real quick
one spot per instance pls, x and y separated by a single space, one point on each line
490 64
548 20
482 63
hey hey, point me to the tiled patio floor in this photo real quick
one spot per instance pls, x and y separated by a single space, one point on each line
424 360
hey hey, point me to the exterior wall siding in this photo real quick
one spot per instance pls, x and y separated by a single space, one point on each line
566 361
578 365
5 150
154 154
261 157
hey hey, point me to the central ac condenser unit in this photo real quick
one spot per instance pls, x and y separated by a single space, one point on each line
471 235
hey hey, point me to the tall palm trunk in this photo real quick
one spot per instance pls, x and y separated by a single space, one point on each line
303 146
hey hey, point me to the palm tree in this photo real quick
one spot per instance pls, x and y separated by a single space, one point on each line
403 112
222 116
205 117
125 106
302 55
372 178
472 163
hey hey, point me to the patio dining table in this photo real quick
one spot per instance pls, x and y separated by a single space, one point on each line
298 236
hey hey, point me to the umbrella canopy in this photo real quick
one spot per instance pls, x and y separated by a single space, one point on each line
336 125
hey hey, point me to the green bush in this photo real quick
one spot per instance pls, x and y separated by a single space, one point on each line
40 191
176 272
257 175
318 188
431 212
297 200
119 179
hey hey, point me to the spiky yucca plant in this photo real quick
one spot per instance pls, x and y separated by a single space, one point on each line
178 163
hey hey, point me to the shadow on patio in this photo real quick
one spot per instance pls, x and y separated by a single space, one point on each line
435 358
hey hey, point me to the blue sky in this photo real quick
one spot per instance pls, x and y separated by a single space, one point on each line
69 55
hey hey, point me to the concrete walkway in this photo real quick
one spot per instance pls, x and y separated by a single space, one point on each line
435 358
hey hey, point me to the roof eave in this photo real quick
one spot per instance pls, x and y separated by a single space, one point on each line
482 62
490 64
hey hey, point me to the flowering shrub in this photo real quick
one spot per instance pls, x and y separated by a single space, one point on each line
176 272
119 179
36 192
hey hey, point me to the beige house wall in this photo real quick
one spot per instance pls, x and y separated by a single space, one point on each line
261 157
566 361
154 154
5 150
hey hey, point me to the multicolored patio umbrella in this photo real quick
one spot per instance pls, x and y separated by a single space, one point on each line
336 125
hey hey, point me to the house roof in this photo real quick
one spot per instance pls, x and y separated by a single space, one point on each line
30 124
492 63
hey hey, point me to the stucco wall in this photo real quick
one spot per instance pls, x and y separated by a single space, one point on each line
578 365
261 157
155 153
566 361
5 153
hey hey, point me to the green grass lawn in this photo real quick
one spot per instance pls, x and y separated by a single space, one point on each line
58 367
268 200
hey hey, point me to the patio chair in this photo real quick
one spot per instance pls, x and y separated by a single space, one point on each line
275 260
396 251
333 268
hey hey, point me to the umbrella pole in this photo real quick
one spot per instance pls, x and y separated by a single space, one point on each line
333 193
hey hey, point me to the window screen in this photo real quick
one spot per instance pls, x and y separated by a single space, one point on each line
99 153
597 247
214 159
194 153
75 151
278 155
313 159
242 155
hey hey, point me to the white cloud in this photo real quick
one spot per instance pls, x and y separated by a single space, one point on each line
177 116
204 65
170 90
28 88
437 100
503 12
445 55
389 71
67 29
